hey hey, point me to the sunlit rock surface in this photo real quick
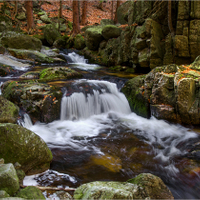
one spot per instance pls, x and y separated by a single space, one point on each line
142 187
171 92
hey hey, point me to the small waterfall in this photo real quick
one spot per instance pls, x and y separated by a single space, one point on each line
75 58
81 105
79 61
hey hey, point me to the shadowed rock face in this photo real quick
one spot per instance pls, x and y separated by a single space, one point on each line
171 92
21 145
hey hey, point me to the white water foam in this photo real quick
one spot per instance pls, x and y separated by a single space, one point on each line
51 175
81 106
80 62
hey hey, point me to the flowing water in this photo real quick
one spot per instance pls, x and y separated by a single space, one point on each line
99 138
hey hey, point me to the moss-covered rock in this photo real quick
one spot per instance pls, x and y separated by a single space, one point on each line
170 92
8 111
8 178
142 187
51 33
21 145
93 37
152 186
122 12
30 192
31 55
134 92
55 73
19 41
3 194
45 19
79 42
39 100
111 31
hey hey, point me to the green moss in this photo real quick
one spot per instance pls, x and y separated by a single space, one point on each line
53 73
30 192
137 101
9 85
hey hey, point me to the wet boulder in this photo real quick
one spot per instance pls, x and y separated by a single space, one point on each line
57 73
8 178
111 31
8 111
39 100
30 192
134 93
93 37
31 55
142 187
19 41
21 145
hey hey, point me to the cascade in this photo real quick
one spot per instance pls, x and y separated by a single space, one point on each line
96 120
79 61
82 105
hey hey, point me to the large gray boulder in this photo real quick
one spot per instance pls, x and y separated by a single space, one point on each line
21 145
145 186
19 41
9 181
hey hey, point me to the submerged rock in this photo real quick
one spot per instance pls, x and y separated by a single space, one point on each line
145 186
21 145
8 178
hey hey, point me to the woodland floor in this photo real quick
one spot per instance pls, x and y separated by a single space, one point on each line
94 14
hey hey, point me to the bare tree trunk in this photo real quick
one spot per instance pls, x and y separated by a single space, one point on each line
60 10
84 13
112 9
170 18
118 4
29 13
76 25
